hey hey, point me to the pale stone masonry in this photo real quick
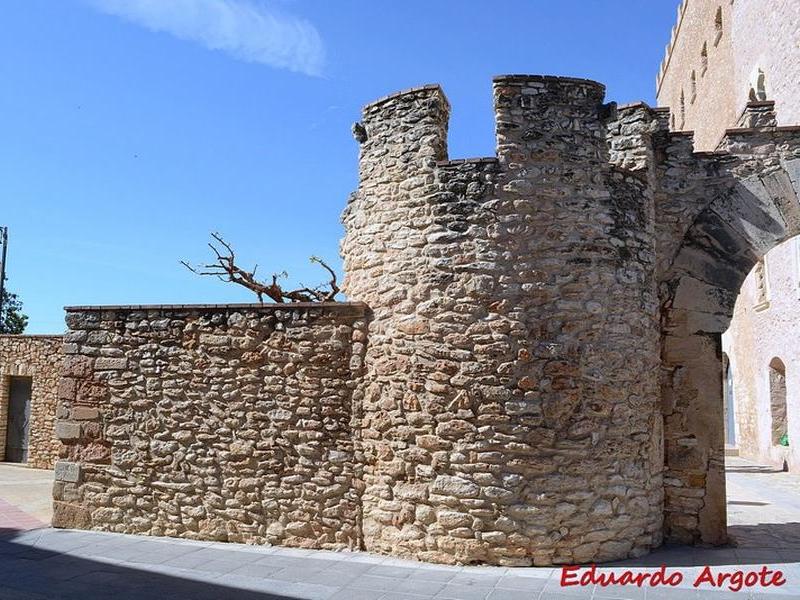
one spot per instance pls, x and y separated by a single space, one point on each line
723 54
37 357
532 374
761 342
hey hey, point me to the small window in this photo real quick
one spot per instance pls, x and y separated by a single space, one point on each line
672 124
762 285
718 25
693 82
703 59
683 110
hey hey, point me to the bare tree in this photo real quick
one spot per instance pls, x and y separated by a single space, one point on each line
226 269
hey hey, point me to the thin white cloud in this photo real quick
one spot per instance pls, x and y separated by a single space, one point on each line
245 29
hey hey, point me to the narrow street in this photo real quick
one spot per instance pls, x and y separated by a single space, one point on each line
763 507
39 563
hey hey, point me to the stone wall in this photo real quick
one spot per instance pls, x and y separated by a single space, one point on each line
37 357
229 423
760 332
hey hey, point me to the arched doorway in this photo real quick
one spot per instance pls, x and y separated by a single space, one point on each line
779 432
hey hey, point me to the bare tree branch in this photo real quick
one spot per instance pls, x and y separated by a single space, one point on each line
227 270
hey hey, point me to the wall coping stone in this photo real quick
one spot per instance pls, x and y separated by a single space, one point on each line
358 308
412 90
35 336
522 79
779 129
461 161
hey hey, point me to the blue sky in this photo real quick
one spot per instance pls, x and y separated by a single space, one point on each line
130 129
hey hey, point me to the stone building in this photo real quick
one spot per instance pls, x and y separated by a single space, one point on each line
724 54
728 64
30 368
762 346
529 370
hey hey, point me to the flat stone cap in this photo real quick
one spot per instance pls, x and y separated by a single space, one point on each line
430 87
355 308
32 336
522 79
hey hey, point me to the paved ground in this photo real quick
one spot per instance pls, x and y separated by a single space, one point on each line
30 489
40 564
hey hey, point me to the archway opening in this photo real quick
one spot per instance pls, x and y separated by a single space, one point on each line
757 366
702 400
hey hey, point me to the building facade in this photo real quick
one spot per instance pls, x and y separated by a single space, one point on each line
762 347
30 368
723 54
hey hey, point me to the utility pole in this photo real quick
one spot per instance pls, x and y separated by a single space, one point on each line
4 242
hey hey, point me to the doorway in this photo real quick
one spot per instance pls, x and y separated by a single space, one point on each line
19 415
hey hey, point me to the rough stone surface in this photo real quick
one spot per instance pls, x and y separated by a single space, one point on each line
37 357
536 379
232 425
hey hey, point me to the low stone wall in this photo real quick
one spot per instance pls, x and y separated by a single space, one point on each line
231 422
38 357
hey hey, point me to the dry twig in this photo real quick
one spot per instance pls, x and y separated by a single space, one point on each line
226 269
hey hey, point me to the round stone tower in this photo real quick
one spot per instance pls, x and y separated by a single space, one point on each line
510 408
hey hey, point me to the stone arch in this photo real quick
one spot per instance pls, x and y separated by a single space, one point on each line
753 207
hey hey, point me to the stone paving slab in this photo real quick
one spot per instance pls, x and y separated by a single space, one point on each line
78 565
39 563
12 518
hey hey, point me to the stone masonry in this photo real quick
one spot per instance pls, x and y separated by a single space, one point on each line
531 374
37 357
229 423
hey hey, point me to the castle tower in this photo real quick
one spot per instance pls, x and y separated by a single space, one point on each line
510 410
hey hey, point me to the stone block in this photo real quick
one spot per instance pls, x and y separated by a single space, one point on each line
66 431
67 471
105 363
66 388
85 413
71 516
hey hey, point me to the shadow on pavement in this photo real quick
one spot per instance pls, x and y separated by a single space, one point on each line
31 573
765 543
754 470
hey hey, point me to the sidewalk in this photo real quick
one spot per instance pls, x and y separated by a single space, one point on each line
49 564
59 564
